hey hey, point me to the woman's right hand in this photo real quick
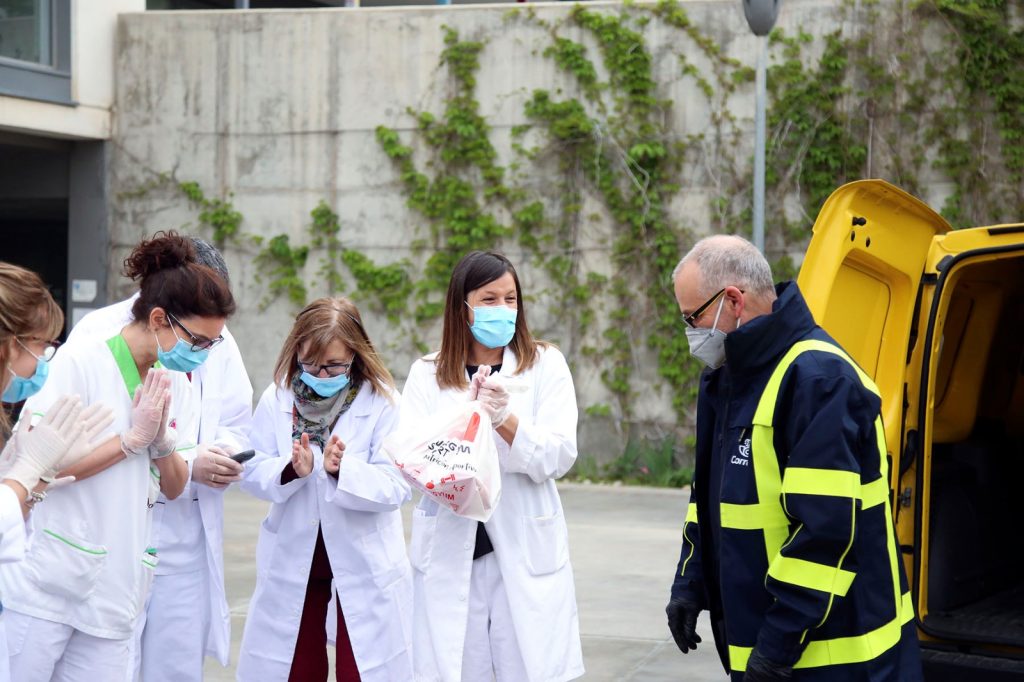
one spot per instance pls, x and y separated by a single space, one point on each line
95 419
302 456
147 412
477 380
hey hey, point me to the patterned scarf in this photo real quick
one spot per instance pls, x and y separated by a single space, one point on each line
315 415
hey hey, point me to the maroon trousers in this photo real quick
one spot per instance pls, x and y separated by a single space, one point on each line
309 663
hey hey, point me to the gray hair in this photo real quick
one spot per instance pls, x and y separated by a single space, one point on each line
208 255
729 260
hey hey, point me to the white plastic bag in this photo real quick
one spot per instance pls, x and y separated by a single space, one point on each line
451 457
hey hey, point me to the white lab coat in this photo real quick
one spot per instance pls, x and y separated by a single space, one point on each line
224 420
362 530
527 530
12 548
12 527
85 561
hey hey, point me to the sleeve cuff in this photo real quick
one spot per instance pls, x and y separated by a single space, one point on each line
522 450
779 647
288 474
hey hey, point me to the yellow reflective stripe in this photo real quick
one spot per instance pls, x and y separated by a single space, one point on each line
806 481
766 406
691 517
842 650
768 481
874 493
693 548
738 656
753 516
811 575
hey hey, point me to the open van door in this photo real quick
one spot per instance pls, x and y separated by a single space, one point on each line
861 279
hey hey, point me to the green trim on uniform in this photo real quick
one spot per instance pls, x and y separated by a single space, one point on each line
126 363
98 552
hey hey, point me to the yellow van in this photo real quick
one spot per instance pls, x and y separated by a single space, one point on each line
936 316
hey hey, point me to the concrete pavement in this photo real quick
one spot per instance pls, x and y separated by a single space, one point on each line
624 543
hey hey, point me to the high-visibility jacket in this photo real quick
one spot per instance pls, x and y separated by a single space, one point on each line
789 539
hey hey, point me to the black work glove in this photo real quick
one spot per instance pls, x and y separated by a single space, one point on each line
760 669
682 621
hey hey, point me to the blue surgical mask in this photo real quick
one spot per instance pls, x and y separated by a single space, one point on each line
21 388
326 387
494 326
181 357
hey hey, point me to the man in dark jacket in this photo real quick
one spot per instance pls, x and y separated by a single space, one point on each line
788 540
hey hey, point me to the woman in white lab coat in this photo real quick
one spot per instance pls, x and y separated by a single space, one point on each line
496 598
73 601
187 610
331 552
29 321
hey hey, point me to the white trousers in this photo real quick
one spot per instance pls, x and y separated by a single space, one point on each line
170 637
42 650
490 650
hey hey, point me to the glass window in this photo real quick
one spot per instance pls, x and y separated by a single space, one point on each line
26 31
35 49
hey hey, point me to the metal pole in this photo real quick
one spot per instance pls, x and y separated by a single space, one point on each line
761 83
241 4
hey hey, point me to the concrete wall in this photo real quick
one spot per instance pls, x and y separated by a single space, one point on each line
279 108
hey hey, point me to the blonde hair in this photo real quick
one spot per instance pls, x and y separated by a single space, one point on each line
333 319
26 310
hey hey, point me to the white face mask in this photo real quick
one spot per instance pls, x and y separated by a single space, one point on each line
708 345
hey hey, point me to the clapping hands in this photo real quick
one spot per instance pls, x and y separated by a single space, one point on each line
302 456
333 453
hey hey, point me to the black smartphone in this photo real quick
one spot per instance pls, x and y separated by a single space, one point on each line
243 456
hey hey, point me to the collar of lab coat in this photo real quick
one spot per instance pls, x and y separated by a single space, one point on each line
509 363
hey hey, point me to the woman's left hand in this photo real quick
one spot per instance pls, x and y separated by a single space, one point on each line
333 453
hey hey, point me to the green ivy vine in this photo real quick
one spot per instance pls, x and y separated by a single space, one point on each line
872 99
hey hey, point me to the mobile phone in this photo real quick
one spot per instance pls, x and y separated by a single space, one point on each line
243 456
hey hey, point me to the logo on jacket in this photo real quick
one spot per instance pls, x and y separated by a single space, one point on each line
743 458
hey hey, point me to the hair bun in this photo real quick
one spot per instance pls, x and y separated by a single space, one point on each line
166 250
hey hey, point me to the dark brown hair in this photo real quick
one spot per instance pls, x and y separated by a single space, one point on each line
326 320
26 310
472 272
171 278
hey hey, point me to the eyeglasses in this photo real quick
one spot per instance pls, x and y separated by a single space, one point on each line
198 342
48 351
333 370
691 319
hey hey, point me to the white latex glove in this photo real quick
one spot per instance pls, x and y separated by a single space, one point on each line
166 437
482 372
42 448
147 410
214 467
493 397
95 420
